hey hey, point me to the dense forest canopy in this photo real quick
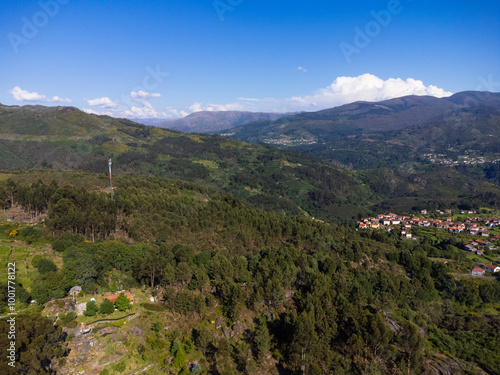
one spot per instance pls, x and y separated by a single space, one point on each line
325 298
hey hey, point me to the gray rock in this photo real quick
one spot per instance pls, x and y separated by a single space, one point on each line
237 329
218 323
227 332
81 346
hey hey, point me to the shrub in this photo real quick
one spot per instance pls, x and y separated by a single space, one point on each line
91 309
106 307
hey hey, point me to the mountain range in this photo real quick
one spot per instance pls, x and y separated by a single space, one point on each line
283 180
367 135
212 121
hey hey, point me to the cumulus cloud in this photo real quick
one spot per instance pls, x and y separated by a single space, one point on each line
368 87
146 111
302 69
198 107
144 94
104 102
175 113
26 96
343 90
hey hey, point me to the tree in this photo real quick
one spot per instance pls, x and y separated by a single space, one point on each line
262 340
38 341
203 339
45 266
412 344
106 307
91 309
180 358
122 303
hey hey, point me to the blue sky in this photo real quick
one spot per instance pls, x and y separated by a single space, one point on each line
170 58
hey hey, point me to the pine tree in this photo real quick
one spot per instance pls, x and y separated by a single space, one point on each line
122 303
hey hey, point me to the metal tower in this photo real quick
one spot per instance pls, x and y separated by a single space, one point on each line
110 179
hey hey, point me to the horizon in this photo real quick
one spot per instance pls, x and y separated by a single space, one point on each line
158 60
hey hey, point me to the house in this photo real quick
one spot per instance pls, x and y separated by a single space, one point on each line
470 248
478 271
479 252
113 297
443 261
75 291
491 268
408 235
482 243
423 212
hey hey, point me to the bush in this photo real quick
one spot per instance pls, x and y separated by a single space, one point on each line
68 317
91 309
122 303
106 307
153 307
45 266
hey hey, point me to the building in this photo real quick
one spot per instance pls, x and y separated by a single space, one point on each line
478 271
491 268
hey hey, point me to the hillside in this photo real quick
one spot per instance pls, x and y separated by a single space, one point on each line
220 287
213 121
278 180
369 135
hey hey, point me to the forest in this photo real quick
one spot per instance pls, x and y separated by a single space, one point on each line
323 297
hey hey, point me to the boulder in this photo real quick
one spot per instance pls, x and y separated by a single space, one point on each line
237 329
227 332
81 345
218 323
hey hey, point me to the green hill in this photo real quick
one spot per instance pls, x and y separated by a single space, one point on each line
286 181
370 135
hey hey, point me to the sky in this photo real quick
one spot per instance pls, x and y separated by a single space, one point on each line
167 59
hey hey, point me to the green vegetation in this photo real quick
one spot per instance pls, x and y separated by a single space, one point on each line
311 295
249 253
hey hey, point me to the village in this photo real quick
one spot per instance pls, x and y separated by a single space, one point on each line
477 231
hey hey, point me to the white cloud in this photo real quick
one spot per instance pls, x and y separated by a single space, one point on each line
302 69
146 111
26 96
99 113
343 90
90 111
198 107
104 102
175 113
144 94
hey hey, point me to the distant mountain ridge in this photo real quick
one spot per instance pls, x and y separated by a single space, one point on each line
212 121
366 134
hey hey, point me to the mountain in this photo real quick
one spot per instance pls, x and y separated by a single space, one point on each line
213 121
280 180
368 135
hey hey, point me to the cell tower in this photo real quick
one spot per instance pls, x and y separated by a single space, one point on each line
110 179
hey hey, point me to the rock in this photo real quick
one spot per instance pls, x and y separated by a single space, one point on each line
77 332
218 323
81 346
80 308
394 326
136 331
227 332
237 329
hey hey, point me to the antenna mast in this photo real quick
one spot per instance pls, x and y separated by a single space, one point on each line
110 179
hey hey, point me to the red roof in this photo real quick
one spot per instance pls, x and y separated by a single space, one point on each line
113 297
477 269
